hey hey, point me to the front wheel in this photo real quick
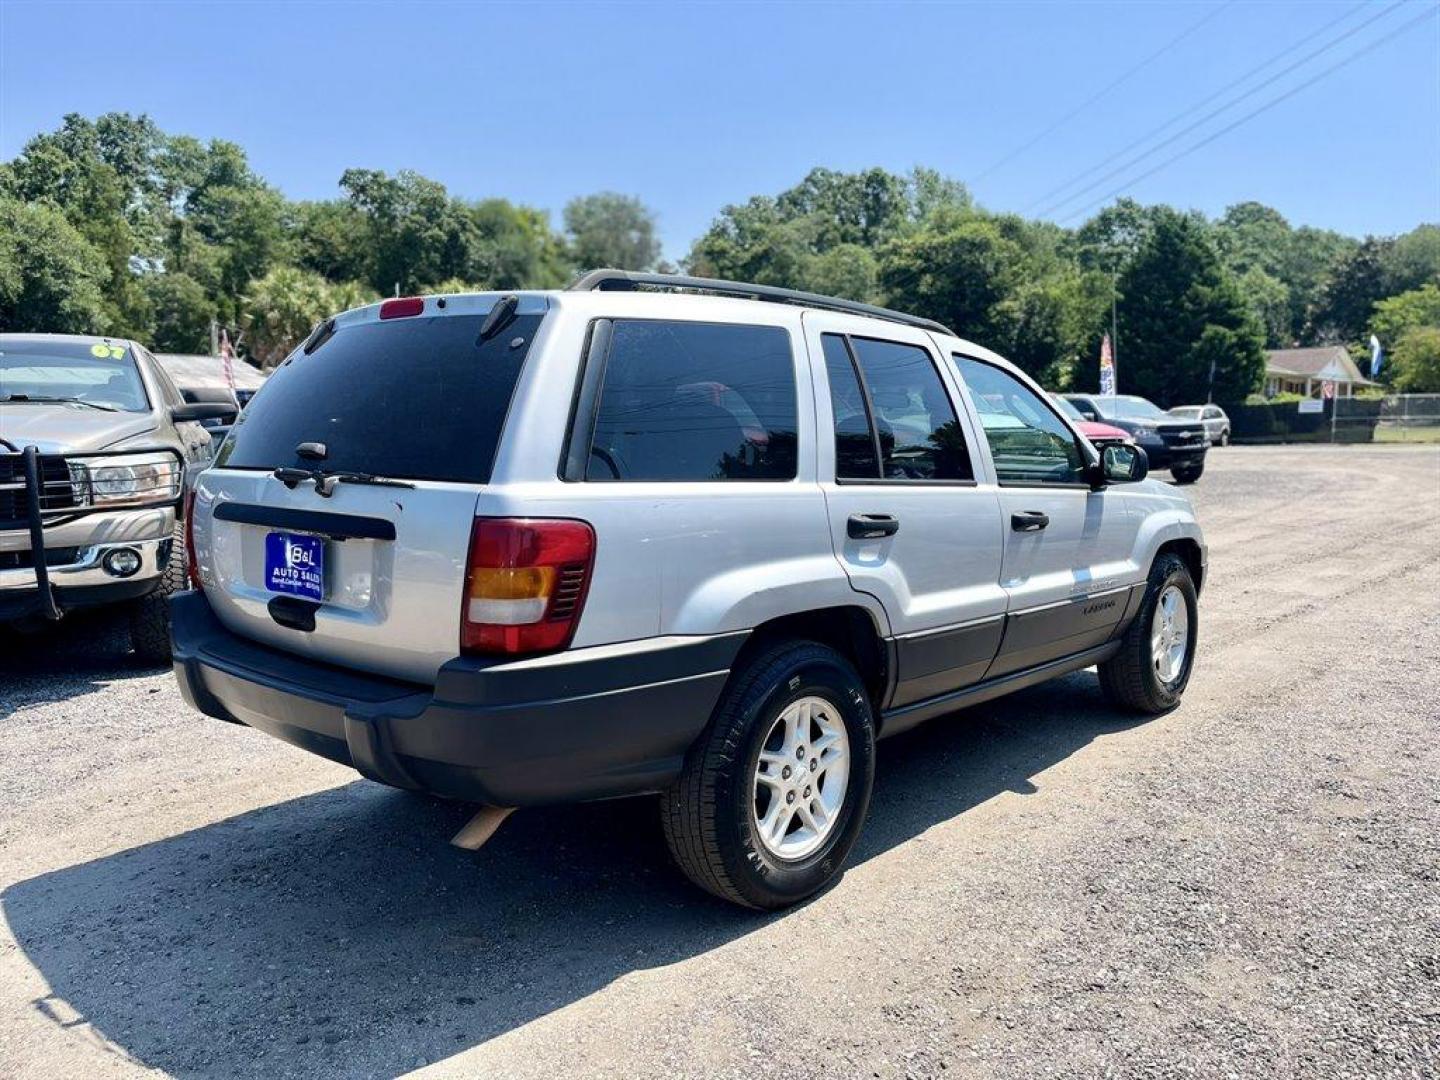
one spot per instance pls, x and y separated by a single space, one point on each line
1152 668
150 615
774 793
1225 437
1187 474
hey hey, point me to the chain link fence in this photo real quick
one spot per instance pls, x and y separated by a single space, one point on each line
1395 418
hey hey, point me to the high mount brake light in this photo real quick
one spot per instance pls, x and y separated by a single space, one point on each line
402 308
525 584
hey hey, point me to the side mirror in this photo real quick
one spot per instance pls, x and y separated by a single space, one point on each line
203 410
1121 464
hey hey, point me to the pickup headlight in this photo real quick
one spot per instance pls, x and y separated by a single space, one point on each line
128 479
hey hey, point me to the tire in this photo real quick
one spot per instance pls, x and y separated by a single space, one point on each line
711 816
1187 474
150 615
1224 436
1132 678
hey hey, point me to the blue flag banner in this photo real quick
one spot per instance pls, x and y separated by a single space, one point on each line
1377 356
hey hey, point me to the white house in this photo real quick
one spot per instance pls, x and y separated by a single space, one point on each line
1303 371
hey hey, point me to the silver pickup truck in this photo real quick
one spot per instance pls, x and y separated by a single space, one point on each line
96 444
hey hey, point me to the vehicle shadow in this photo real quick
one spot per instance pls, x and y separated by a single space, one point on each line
340 931
79 655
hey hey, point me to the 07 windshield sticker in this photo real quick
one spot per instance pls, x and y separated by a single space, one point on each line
107 352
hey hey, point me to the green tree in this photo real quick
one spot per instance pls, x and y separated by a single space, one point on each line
1184 317
610 229
181 313
1413 260
329 237
1269 301
1308 259
1110 239
847 270
51 279
1355 282
1396 315
1416 361
280 309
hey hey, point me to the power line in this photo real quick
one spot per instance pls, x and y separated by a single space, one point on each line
1013 154
1238 99
1045 199
1254 113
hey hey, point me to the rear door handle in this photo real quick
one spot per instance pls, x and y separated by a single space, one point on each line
1029 521
871 526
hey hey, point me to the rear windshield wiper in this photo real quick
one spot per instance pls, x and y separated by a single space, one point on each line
60 400
325 481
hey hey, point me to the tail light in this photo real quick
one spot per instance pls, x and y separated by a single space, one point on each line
192 565
525 584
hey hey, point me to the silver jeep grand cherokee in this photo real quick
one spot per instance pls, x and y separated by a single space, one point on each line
666 535
95 445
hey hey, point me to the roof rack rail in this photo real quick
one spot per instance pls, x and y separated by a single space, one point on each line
633 281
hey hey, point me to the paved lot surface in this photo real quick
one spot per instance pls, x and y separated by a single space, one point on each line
1248 886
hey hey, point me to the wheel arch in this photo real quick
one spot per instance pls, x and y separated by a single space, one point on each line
849 629
1189 551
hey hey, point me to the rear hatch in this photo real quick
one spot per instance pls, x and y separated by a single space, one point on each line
400 416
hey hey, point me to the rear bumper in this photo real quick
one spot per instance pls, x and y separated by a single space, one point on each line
588 724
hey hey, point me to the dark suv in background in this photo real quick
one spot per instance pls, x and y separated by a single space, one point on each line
1169 442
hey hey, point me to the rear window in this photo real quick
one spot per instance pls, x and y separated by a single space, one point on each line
417 398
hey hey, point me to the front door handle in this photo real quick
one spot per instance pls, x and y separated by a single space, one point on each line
1029 521
871 526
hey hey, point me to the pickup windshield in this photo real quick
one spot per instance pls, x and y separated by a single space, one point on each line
1128 408
419 398
71 371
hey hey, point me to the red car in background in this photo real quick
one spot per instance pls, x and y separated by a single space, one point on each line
1098 433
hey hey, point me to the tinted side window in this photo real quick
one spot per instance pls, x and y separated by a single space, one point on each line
854 438
695 401
920 437
1030 444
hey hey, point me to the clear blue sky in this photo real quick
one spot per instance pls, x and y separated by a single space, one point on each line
691 107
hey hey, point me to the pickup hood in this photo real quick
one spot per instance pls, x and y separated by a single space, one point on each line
68 429
1093 429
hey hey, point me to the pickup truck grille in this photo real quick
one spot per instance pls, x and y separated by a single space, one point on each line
1184 438
57 491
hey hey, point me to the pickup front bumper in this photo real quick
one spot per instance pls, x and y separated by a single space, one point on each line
59 552
584 724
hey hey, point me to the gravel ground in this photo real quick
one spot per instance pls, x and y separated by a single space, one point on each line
1249 886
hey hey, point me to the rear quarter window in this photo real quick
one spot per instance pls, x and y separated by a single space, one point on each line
418 398
693 401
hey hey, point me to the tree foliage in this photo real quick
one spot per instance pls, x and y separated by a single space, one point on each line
50 278
1416 361
113 225
1185 318
612 230
1397 315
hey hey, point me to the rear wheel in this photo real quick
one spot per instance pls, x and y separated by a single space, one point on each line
1152 668
774 793
150 615
1187 474
1224 436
